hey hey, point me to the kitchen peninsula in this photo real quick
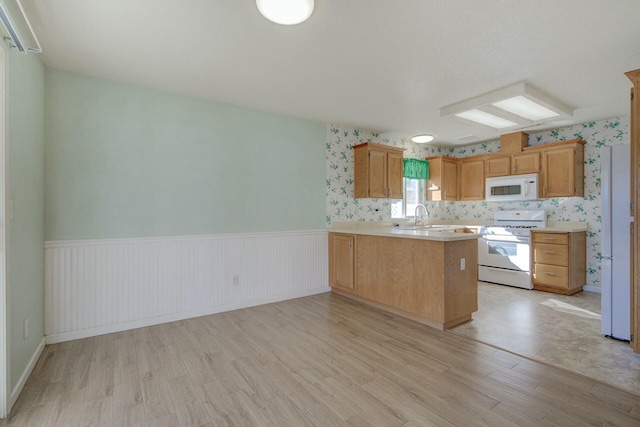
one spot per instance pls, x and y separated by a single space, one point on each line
426 274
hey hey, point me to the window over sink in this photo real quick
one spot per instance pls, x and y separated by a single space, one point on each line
414 194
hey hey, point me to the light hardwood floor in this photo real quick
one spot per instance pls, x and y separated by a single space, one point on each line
315 361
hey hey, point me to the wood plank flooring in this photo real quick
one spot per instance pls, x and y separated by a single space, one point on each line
316 361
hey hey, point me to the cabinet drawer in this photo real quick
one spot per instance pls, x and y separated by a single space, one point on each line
551 254
551 275
556 238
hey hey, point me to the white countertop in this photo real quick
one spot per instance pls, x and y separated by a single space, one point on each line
440 232
443 230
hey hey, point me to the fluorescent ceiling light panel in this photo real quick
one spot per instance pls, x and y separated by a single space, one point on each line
524 107
519 105
486 119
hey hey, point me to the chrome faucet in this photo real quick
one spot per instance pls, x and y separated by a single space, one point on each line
415 213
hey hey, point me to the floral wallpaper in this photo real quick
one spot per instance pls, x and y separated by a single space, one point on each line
341 206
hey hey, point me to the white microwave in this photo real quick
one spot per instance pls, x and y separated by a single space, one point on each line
512 188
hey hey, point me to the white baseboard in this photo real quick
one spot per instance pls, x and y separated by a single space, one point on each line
590 288
109 329
15 393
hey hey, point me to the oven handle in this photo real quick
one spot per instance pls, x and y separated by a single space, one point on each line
513 239
504 270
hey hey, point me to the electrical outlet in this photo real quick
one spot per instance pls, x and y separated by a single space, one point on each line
236 279
462 264
25 329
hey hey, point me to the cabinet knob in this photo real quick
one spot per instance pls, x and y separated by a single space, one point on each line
549 252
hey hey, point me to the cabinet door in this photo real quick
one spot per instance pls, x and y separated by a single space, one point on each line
471 179
377 173
525 163
341 260
435 179
449 180
498 166
558 172
395 167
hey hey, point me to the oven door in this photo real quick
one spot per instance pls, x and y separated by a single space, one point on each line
510 252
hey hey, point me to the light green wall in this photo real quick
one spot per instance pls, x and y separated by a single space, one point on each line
127 161
26 190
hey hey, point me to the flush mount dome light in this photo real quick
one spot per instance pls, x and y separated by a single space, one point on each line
520 105
422 139
285 12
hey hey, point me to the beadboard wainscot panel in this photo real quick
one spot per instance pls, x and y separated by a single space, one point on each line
93 287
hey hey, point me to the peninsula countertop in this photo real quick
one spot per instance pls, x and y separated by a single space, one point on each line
439 230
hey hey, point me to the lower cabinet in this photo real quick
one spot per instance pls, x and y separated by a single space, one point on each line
559 262
419 279
341 260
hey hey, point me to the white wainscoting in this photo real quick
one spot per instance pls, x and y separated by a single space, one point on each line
94 287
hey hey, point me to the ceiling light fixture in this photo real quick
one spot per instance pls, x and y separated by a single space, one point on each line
286 12
422 139
520 105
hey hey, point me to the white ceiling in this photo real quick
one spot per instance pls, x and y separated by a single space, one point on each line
383 65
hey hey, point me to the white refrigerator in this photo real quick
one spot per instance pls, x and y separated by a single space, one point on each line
615 240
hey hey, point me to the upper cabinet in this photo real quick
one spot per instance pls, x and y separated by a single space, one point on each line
525 163
515 164
377 171
560 164
562 169
471 178
497 166
443 178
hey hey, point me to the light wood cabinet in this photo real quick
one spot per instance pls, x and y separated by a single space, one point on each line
513 142
471 178
525 163
415 278
562 169
443 175
342 260
559 262
497 166
560 165
377 171
515 164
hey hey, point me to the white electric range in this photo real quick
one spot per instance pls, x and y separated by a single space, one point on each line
504 248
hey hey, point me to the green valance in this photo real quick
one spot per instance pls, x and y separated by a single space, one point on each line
416 169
